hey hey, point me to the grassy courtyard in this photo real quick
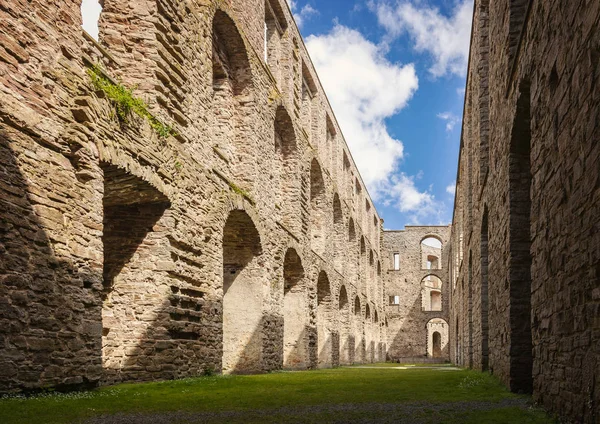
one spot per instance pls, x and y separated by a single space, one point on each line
375 394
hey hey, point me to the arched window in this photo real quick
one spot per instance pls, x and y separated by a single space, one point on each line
431 293
286 170
90 14
338 234
319 209
232 106
431 253
275 26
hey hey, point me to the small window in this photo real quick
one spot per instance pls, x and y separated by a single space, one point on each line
396 261
90 14
394 300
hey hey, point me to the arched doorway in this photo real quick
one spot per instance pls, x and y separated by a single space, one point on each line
437 345
437 339
344 325
295 313
242 295
324 324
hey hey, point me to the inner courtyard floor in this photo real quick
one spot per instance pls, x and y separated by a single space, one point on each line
379 393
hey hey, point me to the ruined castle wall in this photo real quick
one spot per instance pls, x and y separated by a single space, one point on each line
127 255
409 320
528 173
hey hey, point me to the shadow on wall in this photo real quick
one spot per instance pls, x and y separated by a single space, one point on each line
50 308
410 340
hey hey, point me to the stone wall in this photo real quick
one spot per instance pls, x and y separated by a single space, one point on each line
409 312
524 253
243 241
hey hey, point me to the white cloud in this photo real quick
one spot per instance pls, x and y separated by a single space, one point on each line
451 189
304 14
365 89
461 91
406 197
90 12
450 118
445 38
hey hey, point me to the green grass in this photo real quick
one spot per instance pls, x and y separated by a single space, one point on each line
282 390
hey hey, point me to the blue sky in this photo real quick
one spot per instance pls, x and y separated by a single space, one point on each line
394 71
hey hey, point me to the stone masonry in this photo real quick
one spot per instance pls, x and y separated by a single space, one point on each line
524 257
222 225
242 241
417 293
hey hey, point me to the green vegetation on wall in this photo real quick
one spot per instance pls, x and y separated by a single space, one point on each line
125 102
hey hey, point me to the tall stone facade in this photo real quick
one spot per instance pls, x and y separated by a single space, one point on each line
525 249
417 293
242 240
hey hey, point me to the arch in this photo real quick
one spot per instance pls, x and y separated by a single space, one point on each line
484 91
517 13
362 265
431 252
285 140
437 345
431 291
458 347
243 276
351 230
357 307
520 180
338 233
232 106
344 326
470 305
484 292
308 110
295 312
358 324
318 210
369 342
371 258
275 26
286 170
337 209
135 232
379 268
229 56
324 321
352 259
